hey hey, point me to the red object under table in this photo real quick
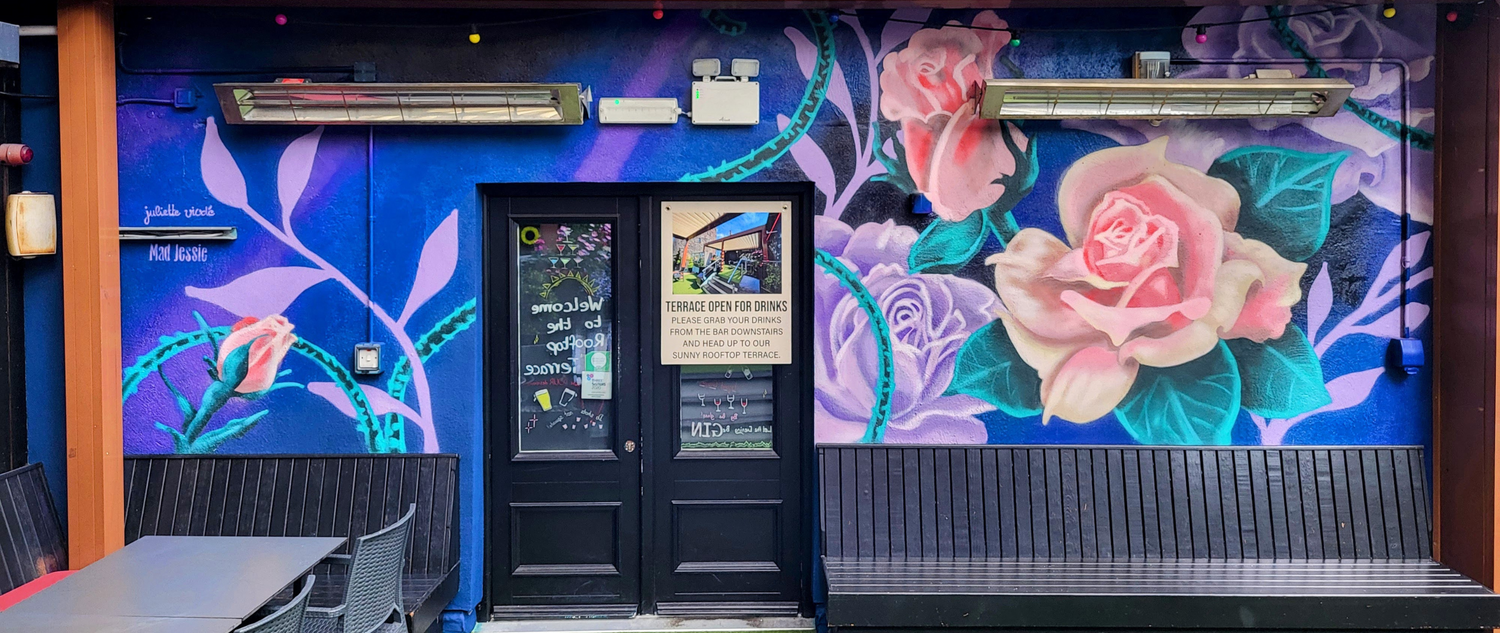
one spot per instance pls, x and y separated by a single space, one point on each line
10 598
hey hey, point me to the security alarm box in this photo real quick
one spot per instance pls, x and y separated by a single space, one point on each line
726 102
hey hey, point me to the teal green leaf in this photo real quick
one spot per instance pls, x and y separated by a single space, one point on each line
989 368
1194 403
183 404
946 246
180 442
237 364
237 427
1285 196
1281 377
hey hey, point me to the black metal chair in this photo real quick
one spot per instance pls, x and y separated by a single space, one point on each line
287 619
372 591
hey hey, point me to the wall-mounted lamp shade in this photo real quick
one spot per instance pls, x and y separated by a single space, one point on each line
30 224
1161 98
403 104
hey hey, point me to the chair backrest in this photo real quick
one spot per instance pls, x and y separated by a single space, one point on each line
32 543
1130 502
298 495
287 619
374 589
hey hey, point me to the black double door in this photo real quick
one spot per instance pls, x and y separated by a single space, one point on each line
620 485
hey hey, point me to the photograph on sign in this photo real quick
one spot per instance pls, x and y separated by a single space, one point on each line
725 295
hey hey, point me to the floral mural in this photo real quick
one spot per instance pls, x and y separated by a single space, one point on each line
1193 282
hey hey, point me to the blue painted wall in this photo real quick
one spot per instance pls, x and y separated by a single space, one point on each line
1206 282
46 432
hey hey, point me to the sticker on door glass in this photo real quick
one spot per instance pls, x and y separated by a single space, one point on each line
598 376
565 318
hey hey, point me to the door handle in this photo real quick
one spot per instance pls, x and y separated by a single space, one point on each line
630 446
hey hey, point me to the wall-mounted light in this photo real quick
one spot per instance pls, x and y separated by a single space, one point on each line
706 68
733 100
744 69
30 224
1262 95
404 103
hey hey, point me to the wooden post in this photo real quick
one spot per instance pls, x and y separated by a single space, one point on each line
90 250
1466 343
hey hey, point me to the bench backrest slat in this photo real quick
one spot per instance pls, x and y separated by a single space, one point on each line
32 543
1089 503
306 495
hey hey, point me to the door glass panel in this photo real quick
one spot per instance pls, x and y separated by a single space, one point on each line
727 407
565 317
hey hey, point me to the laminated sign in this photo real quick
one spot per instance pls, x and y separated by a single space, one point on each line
726 295
597 376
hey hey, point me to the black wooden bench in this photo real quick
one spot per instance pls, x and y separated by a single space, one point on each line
316 495
32 544
1010 537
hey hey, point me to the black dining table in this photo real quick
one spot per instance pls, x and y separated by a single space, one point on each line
172 584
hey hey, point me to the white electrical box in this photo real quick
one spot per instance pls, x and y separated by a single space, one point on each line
638 110
726 102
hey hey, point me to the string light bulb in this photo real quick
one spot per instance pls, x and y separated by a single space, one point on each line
1015 38
280 19
1202 36
1389 11
1452 16
657 14
473 34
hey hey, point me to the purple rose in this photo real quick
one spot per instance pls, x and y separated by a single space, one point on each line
1345 43
930 317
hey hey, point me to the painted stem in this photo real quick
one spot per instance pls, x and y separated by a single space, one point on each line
418 372
863 171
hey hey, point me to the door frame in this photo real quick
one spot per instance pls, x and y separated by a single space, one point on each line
497 357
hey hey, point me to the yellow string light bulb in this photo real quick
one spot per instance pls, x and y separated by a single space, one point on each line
473 35
1390 11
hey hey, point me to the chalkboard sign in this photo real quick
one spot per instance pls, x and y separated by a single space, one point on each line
727 407
565 312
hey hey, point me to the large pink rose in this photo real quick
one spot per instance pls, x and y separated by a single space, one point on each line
955 158
269 339
1152 274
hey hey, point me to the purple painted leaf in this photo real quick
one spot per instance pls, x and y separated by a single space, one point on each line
1416 314
838 93
807 54
439 258
1389 324
811 159
1319 302
261 293
1349 390
220 173
896 33
1390 269
294 170
381 402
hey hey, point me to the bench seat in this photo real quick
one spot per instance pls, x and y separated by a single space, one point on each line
1366 594
1026 538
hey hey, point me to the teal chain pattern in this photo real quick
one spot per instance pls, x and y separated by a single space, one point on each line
886 384
451 325
801 120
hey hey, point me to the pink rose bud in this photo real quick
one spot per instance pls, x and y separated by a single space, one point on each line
269 340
